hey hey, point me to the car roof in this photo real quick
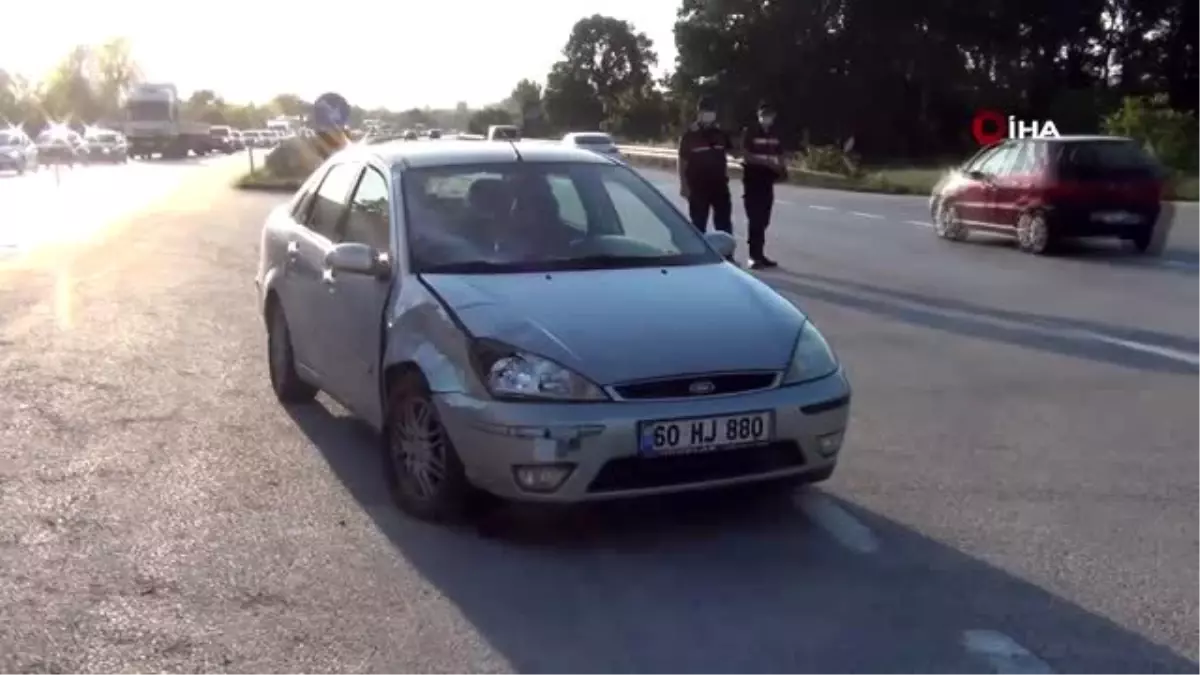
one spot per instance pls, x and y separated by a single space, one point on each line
451 152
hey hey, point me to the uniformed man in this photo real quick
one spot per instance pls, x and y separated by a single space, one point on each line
704 170
762 167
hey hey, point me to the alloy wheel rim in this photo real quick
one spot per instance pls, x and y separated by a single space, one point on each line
418 446
1031 233
946 222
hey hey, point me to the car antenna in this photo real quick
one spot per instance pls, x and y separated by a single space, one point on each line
515 150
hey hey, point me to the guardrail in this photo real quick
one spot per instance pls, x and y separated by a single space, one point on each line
627 150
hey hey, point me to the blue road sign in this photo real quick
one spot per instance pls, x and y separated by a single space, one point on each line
331 112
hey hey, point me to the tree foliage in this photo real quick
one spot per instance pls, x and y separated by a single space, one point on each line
487 117
604 82
905 78
89 86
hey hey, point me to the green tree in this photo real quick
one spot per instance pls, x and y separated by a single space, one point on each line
605 62
1170 134
69 93
290 105
525 103
116 72
482 119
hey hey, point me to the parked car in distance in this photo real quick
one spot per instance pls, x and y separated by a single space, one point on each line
503 132
223 138
474 305
105 145
59 147
596 141
17 151
1046 190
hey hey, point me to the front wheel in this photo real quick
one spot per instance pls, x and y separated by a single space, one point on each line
281 360
949 224
1142 240
424 474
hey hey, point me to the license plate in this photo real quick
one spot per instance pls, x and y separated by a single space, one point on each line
1117 217
703 434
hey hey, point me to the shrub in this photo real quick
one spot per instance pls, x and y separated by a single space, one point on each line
298 157
830 159
1170 134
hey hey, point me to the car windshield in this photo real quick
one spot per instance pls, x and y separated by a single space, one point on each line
505 133
1082 160
8 139
593 139
219 132
543 217
104 138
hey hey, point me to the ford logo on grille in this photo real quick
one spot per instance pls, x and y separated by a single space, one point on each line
701 387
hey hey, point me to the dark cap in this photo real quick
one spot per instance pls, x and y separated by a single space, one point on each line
707 103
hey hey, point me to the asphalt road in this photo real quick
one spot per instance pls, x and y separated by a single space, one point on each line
1018 492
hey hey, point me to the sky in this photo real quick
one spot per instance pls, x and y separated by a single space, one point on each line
398 54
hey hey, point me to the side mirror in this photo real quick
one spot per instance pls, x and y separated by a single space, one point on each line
976 175
355 258
722 242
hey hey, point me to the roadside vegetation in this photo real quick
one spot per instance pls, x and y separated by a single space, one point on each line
853 120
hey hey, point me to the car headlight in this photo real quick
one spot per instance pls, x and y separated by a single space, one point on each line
812 358
510 373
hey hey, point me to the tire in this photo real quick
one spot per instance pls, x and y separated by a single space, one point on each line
1142 240
281 362
948 225
1034 235
416 448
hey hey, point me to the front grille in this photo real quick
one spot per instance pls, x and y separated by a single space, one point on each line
641 473
694 386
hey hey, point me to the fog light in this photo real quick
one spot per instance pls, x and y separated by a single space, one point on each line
542 477
829 444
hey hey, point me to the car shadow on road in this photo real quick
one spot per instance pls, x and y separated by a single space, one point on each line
1118 345
721 583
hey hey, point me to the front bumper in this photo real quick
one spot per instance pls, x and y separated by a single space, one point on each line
106 154
599 441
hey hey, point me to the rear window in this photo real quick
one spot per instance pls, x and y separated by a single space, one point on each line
9 139
219 132
505 133
1105 159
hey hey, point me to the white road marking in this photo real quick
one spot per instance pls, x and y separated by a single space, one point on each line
1190 358
920 223
860 214
821 208
1002 653
785 202
837 522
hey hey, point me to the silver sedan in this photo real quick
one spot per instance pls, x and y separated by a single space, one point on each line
539 323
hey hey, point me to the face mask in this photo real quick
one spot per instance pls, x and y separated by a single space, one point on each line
708 117
766 120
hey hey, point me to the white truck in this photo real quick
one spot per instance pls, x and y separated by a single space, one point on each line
155 124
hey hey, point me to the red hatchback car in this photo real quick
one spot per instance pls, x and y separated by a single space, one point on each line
1045 190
